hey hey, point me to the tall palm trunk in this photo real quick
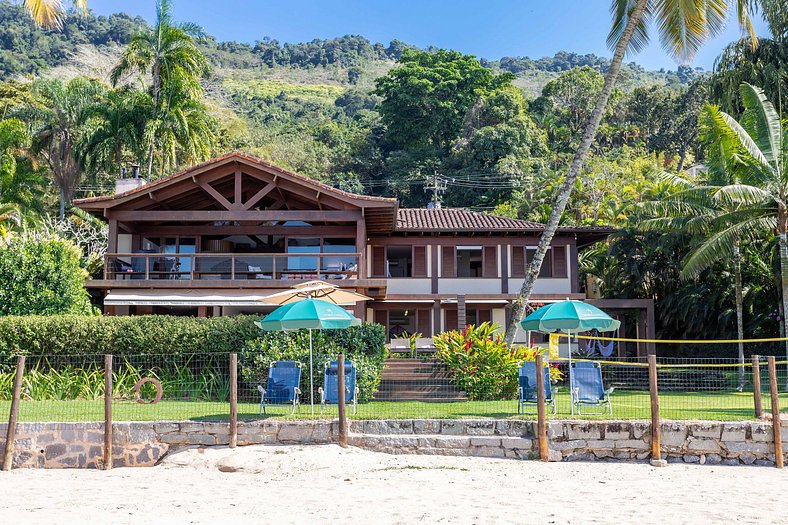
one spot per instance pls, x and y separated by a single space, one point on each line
739 312
574 169
782 225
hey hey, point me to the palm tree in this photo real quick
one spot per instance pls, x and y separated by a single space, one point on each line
683 27
760 200
58 124
117 126
169 54
49 13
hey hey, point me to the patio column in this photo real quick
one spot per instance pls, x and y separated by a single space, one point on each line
461 313
361 247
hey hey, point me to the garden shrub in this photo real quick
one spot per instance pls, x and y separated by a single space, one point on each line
481 363
364 345
41 276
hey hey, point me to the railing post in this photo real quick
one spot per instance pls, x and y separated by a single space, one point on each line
107 411
273 267
756 385
147 267
193 266
232 267
541 410
233 400
656 448
777 431
10 437
341 400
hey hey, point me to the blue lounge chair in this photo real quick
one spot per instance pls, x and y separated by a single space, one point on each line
283 380
527 392
329 391
586 387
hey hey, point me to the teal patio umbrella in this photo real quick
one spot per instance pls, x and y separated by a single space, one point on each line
312 314
569 317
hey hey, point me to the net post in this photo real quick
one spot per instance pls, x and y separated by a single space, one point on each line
107 411
778 438
541 412
656 448
756 385
8 457
341 400
233 400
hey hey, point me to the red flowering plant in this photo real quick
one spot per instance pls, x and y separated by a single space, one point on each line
481 363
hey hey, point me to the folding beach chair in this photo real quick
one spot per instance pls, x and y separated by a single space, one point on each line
586 387
526 392
329 391
283 380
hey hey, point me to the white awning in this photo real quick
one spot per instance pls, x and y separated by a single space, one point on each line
476 301
187 298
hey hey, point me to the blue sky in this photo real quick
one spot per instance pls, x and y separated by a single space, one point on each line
489 28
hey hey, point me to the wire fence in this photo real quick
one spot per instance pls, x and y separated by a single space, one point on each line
58 388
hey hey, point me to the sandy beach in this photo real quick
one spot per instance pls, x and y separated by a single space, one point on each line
326 484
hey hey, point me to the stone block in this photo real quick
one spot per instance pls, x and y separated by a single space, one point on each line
427 426
191 427
587 431
568 445
517 443
706 430
747 459
452 427
600 444
216 427
400 441
375 427
479 427
581 455
187 439
555 430
641 430
54 450
762 432
46 438
295 432
764 462
487 452
635 444
734 431
554 455
703 444
322 432
673 435
713 459
169 426
691 458
452 442
398 426
520 428
617 431
259 439
747 446
486 441
730 461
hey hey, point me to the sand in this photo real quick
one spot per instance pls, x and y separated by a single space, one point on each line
326 484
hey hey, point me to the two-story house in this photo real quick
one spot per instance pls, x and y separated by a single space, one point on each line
215 238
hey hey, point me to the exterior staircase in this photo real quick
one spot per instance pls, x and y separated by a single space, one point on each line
416 380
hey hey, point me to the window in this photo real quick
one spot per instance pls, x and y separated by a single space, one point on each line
469 261
401 322
399 261
344 246
296 245
554 264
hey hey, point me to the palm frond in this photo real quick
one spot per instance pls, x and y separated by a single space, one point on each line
745 140
621 11
742 194
762 123
46 13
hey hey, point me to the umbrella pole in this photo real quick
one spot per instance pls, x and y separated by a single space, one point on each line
311 386
569 345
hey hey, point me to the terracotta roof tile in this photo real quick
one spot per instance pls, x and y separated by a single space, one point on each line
458 219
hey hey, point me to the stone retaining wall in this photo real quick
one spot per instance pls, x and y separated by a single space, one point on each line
80 445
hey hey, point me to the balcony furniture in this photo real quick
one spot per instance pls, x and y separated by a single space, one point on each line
425 345
400 346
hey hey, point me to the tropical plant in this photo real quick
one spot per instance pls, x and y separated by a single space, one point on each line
21 186
481 363
683 27
49 13
760 199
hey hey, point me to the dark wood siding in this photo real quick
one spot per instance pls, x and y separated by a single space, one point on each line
382 317
423 324
419 261
379 261
490 261
451 319
518 261
449 262
559 261
484 315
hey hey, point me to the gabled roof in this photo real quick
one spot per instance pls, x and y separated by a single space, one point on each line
458 220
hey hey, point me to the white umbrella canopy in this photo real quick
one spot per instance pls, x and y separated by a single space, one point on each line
316 290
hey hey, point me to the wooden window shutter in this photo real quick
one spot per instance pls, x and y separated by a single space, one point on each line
559 261
449 262
451 319
518 261
423 323
382 317
379 261
484 315
419 261
490 261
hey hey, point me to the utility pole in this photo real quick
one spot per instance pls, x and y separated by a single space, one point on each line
437 186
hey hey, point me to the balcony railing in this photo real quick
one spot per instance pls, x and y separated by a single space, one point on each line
233 266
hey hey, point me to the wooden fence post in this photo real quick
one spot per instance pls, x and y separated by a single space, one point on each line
541 410
756 385
107 411
10 437
341 401
233 400
778 437
656 447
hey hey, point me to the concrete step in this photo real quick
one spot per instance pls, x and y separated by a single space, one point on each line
460 445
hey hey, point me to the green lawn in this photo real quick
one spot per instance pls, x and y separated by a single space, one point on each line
626 405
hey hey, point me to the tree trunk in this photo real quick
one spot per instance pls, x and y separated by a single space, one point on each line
574 169
62 211
782 226
739 312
